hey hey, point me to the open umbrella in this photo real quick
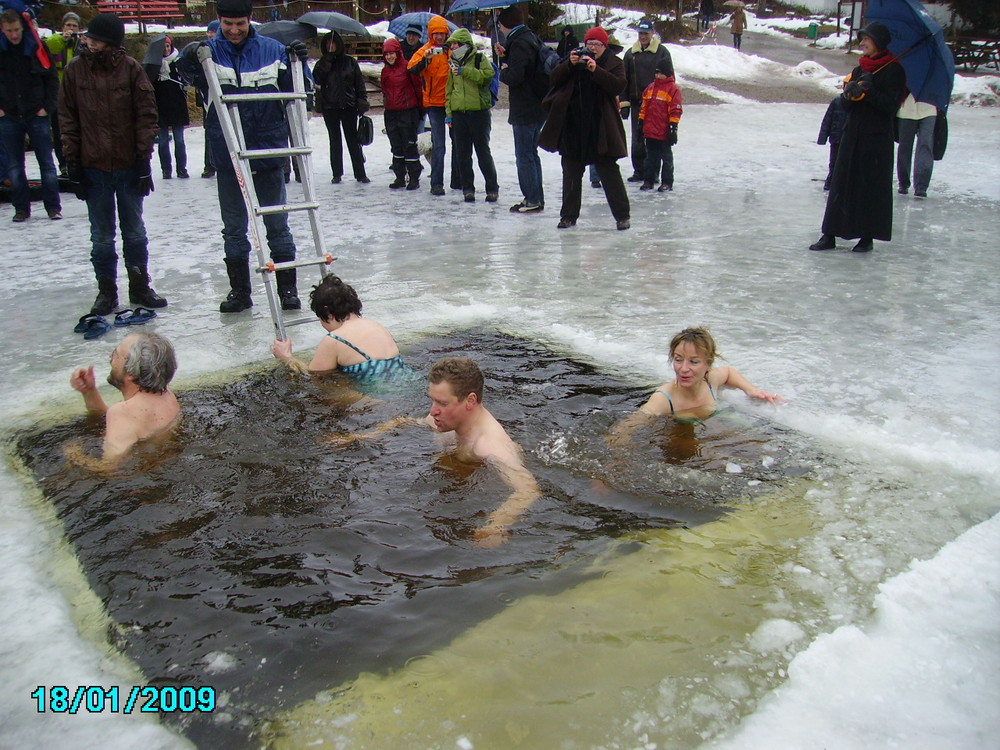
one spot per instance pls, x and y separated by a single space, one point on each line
287 32
154 52
460 6
329 19
400 24
918 44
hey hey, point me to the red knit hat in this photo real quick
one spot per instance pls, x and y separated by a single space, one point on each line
596 33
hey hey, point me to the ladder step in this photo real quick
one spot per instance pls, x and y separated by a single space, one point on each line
272 96
299 322
325 260
287 208
267 153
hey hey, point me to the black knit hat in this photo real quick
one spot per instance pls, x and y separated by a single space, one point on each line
665 66
510 17
108 28
878 33
234 8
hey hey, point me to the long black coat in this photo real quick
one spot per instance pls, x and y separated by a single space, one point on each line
860 200
338 79
171 100
587 104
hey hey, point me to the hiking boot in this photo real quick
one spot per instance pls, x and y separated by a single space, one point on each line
665 188
182 173
622 224
287 291
492 197
566 223
635 177
55 215
139 290
238 298
437 190
470 197
20 216
335 180
107 297
208 172
595 183
399 182
646 186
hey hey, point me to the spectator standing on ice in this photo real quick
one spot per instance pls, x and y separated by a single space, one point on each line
401 96
832 130
28 92
860 201
107 114
341 98
467 109
431 62
660 114
519 71
172 110
567 42
211 31
62 47
247 63
584 126
915 120
641 61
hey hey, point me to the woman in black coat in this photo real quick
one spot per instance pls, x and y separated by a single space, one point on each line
341 98
171 108
860 200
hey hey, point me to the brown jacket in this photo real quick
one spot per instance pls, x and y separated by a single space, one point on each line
107 111
609 82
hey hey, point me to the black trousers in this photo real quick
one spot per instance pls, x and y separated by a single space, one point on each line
346 119
611 180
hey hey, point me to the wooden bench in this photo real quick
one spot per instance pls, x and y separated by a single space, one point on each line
973 52
142 11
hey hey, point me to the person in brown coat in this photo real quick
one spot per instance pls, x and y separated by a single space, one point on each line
738 24
584 125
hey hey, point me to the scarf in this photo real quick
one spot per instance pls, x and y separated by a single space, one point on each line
876 62
165 65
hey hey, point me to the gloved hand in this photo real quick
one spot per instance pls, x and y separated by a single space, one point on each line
856 90
144 175
77 180
363 106
299 50
672 135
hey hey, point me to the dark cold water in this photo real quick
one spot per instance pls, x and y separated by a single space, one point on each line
249 555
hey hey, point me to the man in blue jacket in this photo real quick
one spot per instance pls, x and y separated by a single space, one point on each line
28 91
246 63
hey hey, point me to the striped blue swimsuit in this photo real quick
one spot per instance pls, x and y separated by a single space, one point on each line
374 369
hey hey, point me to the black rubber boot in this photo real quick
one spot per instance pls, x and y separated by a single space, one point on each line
139 290
413 170
287 292
826 242
107 297
398 169
239 281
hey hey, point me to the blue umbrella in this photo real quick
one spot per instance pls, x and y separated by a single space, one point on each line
460 6
918 44
400 24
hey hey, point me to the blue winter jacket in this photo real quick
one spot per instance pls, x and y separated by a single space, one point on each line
258 65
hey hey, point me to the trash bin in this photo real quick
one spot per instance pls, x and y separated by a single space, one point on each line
813 30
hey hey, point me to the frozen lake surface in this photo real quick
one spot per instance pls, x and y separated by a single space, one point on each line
888 361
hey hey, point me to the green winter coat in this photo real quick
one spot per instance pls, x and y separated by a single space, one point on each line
468 90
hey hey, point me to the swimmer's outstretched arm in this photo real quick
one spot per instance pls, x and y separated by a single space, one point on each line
343 439
731 378
525 491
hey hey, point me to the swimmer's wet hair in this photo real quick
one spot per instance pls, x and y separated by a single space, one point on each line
151 362
700 338
462 374
332 298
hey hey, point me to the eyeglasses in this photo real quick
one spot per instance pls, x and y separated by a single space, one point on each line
595 43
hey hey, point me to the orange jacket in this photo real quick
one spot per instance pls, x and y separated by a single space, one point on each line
433 69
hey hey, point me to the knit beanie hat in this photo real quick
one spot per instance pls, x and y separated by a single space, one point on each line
665 66
213 25
234 8
510 17
596 33
108 28
71 16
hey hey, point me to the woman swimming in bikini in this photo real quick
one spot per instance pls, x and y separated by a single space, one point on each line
360 348
692 394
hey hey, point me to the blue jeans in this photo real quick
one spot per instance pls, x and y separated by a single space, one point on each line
659 158
529 166
436 115
105 192
163 147
270 187
38 129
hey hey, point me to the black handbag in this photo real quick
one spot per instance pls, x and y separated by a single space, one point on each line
940 135
366 130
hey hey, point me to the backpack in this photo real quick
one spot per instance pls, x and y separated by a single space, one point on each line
547 59
494 86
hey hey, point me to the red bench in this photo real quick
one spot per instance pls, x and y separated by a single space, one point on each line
141 10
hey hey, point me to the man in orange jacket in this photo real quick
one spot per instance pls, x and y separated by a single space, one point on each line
431 62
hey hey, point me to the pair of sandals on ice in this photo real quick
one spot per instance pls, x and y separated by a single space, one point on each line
94 326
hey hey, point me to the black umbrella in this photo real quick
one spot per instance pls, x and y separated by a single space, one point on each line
154 52
287 32
329 19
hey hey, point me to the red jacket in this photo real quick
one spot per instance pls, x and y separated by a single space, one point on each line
401 89
661 105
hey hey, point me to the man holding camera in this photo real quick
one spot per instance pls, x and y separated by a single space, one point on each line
62 47
641 60
431 62
584 125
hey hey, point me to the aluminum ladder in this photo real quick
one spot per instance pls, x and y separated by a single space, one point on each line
227 107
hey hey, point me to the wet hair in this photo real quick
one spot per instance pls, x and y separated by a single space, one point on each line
461 373
332 298
10 16
700 338
151 362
